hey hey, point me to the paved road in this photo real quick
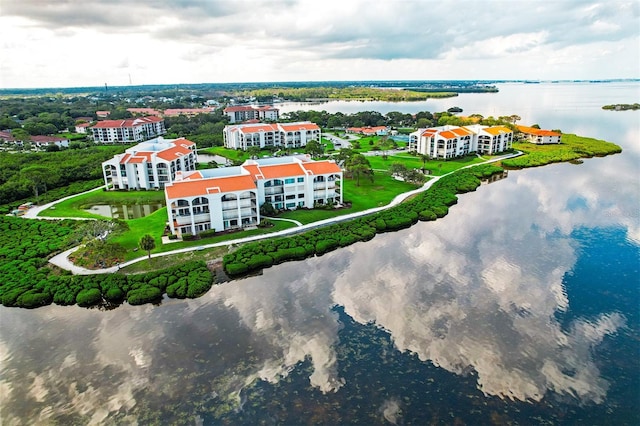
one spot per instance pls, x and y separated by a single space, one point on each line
62 259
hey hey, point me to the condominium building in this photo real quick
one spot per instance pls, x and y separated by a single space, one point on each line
230 197
150 165
131 130
240 113
540 136
285 135
447 142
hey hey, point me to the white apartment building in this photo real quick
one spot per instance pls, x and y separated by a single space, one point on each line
540 136
240 113
285 135
230 197
446 142
150 165
131 130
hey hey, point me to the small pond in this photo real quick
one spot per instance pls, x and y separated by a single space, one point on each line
124 211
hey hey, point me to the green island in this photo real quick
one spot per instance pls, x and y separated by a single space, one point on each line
621 107
26 245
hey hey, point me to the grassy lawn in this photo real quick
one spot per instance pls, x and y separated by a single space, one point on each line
75 207
368 195
437 167
157 263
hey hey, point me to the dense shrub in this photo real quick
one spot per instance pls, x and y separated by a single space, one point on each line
89 297
426 206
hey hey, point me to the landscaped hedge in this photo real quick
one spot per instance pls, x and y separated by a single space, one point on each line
425 206
26 282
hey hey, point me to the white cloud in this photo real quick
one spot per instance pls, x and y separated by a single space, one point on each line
191 41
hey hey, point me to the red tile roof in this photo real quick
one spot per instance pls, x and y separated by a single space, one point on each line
108 124
281 170
291 127
321 167
194 188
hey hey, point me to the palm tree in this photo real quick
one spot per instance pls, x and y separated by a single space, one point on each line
147 243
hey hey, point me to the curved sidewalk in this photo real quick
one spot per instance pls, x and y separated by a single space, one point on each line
61 260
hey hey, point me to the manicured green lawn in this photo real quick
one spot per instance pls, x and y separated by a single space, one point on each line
437 167
75 207
368 195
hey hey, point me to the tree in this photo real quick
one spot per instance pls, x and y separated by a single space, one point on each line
147 243
38 177
254 151
314 148
358 165
515 118
424 158
385 145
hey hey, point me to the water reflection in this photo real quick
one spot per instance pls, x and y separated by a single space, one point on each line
123 211
479 291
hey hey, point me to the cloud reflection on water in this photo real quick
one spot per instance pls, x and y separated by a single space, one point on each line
475 291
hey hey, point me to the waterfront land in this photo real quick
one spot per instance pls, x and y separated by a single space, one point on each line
27 244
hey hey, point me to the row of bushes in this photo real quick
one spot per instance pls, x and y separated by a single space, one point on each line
426 206
27 282
191 279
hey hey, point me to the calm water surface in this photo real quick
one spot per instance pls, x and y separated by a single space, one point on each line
520 306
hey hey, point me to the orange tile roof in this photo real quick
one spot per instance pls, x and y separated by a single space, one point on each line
537 132
281 170
124 159
254 170
253 128
461 131
199 187
321 167
497 130
173 153
299 126
448 134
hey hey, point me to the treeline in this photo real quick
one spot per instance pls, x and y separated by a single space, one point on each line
395 119
203 129
34 174
426 206
25 246
572 147
345 93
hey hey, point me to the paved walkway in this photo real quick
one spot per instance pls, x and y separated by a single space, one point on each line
62 260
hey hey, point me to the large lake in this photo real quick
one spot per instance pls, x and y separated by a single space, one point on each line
521 306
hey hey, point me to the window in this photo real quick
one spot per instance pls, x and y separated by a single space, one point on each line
291 205
289 180
300 195
291 197
300 179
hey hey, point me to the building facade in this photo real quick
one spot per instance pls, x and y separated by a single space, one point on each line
447 142
230 197
127 131
150 165
241 113
264 135
540 136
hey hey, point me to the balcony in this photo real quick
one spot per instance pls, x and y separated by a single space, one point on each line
273 190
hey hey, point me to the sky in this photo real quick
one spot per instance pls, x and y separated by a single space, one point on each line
74 43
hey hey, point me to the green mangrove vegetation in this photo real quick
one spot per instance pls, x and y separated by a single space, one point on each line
426 206
29 282
572 147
